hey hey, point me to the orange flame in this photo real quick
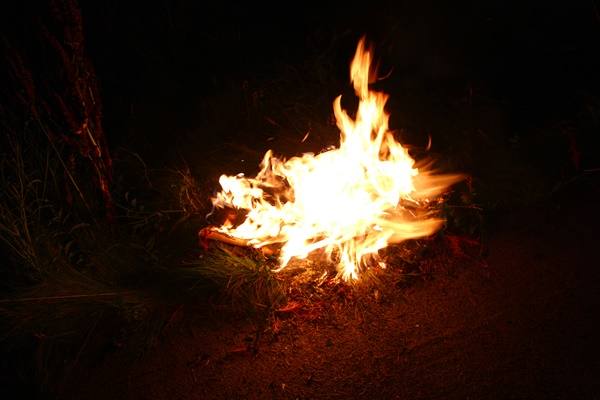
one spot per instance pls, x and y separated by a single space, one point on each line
351 201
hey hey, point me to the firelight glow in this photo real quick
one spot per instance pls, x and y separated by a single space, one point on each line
351 201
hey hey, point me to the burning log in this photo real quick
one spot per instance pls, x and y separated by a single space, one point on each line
212 233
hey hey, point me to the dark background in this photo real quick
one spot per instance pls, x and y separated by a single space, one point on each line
175 72
539 58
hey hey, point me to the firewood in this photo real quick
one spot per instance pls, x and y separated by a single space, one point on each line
211 233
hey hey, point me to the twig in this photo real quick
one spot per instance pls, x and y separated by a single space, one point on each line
211 233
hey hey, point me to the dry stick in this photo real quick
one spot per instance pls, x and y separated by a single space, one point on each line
211 233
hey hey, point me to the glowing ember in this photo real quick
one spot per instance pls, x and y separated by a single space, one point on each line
351 201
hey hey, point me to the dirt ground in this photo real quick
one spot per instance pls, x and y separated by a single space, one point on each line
519 325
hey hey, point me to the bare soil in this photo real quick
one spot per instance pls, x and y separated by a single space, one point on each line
518 323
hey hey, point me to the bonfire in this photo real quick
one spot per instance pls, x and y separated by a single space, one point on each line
350 201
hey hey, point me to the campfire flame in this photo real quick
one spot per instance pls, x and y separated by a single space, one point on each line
351 201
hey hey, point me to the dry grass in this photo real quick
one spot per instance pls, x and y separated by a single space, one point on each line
245 278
